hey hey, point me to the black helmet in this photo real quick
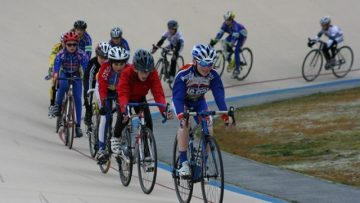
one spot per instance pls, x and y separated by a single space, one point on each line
172 24
80 24
143 60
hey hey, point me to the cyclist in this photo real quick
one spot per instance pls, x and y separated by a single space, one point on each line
56 48
237 37
71 61
85 42
335 35
117 40
89 79
107 80
135 83
176 44
191 84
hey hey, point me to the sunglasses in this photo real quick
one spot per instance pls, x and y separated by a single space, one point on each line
205 64
71 44
118 63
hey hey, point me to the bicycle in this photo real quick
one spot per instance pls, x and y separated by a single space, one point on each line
92 130
164 65
67 118
142 151
313 61
206 166
246 58
105 164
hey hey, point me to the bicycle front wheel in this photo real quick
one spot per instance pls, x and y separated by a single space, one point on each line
160 67
344 62
246 58
71 123
212 182
219 63
183 187
147 161
179 64
94 135
312 65
125 163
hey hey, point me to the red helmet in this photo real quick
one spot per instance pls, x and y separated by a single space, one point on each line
71 36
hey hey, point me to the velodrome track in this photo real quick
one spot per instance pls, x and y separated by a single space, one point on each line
36 167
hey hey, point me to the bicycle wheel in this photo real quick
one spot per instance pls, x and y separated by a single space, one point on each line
212 182
219 63
344 60
179 64
71 123
312 65
183 187
147 165
160 67
94 136
125 163
105 165
247 59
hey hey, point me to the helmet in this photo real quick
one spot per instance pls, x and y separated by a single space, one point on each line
71 36
80 24
325 20
204 53
62 37
102 49
116 32
118 54
143 60
173 24
229 15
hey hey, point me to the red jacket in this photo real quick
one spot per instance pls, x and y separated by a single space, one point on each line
130 88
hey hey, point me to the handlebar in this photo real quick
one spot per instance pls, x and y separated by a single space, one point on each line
230 113
145 104
70 78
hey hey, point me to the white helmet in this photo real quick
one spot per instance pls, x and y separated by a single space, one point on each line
116 32
204 53
102 49
229 15
118 54
325 20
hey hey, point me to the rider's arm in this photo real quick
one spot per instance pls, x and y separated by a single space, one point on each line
221 32
56 48
178 96
84 62
218 91
318 36
123 88
161 41
157 90
57 63
88 45
126 44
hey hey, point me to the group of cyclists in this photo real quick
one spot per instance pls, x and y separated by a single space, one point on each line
119 81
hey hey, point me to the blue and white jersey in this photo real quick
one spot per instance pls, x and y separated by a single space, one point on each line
190 87
71 62
174 39
236 32
85 44
333 33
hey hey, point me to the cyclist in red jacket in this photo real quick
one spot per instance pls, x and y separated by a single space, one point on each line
134 84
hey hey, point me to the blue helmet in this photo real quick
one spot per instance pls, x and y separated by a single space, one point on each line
204 53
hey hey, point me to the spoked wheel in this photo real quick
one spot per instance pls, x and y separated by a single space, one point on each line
312 65
93 134
125 163
212 183
183 187
246 58
71 123
179 64
147 166
160 68
105 165
219 63
344 62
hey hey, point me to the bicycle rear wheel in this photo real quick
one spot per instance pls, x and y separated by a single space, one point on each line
147 166
312 65
71 123
247 59
125 163
219 63
344 60
212 182
183 187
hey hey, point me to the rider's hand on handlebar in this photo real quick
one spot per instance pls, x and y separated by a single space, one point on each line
310 43
125 118
168 115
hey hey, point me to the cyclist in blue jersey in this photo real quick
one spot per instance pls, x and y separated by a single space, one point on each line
70 62
176 44
237 37
191 84
85 42
117 39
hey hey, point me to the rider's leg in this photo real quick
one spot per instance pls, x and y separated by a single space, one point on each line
173 64
333 48
229 49
63 87
326 53
52 93
104 118
77 97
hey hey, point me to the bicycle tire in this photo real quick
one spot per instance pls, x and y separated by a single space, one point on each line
219 64
183 187
94 136
125 169
212 183
159 67
71 123
147 182
316 71
337 70
245 69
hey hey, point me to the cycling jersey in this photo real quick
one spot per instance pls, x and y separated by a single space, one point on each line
90 74
131 88
176 41
190 88
236 32
123 44
56 48
334 33
70 62
85 44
